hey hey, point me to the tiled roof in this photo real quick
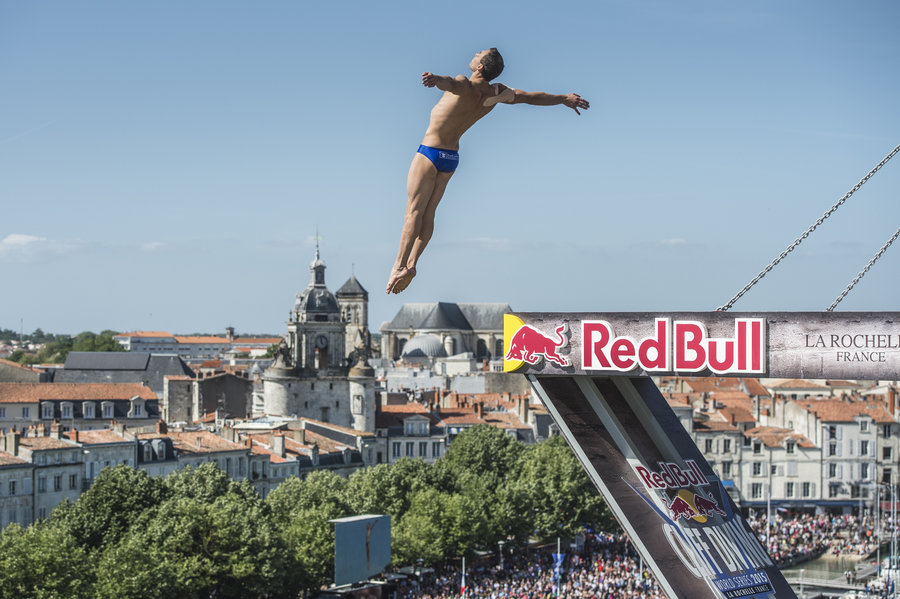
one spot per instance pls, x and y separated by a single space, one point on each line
34 392
97 437
738 414
20 366
836 410
144 334
714 424
799 384
773 436
460 417
338 428
7 459
200 339
40 443
506 420
195 441
257 340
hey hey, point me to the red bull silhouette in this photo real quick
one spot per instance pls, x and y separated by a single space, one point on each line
529 344
707 507
681 509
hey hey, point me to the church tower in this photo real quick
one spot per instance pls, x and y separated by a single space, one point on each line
312 376
353 300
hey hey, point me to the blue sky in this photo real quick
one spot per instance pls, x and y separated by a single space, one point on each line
165 165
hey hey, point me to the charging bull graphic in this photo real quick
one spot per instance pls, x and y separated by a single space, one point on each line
707 507
529 344
680 508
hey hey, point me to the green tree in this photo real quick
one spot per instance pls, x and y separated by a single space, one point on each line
43 561
387 488
109 508
561 497
301 510
197 544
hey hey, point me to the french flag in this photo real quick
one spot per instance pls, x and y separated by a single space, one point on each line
462 586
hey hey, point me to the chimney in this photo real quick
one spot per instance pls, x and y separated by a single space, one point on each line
75 435
892 400
315 455
11 442
161 427
479 410
41 430
54 430
278 445
299 436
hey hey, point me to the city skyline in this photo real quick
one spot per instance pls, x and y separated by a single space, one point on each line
167 167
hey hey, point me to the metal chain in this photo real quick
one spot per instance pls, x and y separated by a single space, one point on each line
864 271
797 241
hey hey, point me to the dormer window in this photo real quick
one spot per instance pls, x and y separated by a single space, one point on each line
47 411
789 446
87 409
863 426
66 408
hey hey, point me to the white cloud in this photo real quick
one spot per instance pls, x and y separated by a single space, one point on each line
152 245
20 243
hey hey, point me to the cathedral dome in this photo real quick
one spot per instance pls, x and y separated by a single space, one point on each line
316 299
424 346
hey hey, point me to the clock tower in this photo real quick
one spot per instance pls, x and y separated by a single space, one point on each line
311 375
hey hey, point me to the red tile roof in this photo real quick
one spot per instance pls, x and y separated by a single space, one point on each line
41 443
799 384
773 436
7 459
96 437
195 441
35 392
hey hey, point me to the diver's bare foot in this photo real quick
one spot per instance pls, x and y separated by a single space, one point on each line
405 279
396 275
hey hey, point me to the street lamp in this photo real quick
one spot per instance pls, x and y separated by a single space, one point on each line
501 543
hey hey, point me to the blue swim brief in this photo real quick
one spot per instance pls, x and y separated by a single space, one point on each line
445 161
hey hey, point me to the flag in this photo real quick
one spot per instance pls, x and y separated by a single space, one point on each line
557 569
462 586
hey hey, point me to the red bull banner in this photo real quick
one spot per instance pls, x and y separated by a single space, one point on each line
659 486
807 345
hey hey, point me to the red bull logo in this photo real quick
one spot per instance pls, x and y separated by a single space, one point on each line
529 345
524 344
673 476
691 506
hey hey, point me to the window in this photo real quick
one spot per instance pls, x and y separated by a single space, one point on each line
832 449
57 482
410 449
726 469
47 411
436 449
833 491
806 489
756 490
788 490
886 453
26 413
773 470
66 411
73 481
395 452
42 484
107 410
886 430
863 448
138 410
757 468
2 412
864 471
12 487
88 409
832 432
708 444
790 446
423 449
726 446
757 447
832 470
863 426
42 513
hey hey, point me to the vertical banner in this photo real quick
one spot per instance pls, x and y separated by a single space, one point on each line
660 488
362 547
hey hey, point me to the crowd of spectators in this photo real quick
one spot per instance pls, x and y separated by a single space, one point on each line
607 568
798 537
